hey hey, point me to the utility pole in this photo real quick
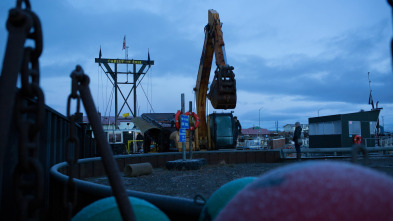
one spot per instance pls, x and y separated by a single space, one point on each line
276 126
260 116
319 110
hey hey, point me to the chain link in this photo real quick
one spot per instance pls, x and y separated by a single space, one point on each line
391 41
19 4
72 149
80 83
390 2
28 175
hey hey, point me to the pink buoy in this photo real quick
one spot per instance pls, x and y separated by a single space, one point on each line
321 190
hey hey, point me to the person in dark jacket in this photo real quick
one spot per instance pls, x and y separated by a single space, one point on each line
238 130
139 142
297 138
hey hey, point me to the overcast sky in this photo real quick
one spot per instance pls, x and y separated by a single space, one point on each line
292 59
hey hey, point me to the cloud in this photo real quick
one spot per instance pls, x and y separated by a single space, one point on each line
105 7
292 58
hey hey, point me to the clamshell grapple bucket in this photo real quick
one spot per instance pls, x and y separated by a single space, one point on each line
222 93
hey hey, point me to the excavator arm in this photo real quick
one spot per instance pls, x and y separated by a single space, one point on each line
222 93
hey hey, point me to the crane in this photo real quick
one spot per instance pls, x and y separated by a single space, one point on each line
222 93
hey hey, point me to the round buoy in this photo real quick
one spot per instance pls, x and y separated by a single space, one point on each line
194 120
357 139
222 196
320 190
177 119
106 209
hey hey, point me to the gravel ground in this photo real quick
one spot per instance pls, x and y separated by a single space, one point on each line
209 178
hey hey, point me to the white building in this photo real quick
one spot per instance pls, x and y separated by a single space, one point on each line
291 127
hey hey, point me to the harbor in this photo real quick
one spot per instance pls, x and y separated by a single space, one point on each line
161 119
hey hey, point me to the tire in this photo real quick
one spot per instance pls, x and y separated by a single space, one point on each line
193 164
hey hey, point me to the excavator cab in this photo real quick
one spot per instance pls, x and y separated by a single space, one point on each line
222 130
222 93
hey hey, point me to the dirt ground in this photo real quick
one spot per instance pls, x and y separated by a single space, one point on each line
209 178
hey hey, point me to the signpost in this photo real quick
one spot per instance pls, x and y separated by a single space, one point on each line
182 122
190 164
182 135
183 127
190 135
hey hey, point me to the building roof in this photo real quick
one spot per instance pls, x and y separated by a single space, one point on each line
143 125
252 131
362 115
293 125
109 120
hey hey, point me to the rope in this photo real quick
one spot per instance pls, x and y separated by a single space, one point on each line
147 99
111 96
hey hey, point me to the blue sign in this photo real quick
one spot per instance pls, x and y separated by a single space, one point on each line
182 135
184 121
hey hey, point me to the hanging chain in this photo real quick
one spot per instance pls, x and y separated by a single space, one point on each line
72 148
29 113
391 41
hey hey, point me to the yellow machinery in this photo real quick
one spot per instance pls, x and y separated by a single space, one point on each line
222 93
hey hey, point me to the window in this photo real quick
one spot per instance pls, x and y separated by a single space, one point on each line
354 127
313 129
224 126
325 128
373 127
224 131
337 127
320 130
328 128
115 136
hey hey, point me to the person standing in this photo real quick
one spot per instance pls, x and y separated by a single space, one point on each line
139 142
238 130
297 138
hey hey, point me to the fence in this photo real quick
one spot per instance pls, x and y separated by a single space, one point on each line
53 136
379 142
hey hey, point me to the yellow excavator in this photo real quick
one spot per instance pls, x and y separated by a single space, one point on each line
216 130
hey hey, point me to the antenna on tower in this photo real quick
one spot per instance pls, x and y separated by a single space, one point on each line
370 98
125 47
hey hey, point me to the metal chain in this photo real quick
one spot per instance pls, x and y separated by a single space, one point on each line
29 113
72 149
391 41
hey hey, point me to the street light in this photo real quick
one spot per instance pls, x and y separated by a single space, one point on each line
319 110
260 117
260 121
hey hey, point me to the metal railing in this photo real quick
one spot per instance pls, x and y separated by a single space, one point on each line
379 142
332 152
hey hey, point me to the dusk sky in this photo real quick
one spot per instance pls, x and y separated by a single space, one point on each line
292 59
